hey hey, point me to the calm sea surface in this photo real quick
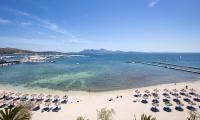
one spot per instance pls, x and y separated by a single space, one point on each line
100 72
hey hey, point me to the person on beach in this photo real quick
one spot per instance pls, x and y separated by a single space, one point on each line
186 87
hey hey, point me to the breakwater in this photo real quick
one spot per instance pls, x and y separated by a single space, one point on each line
166 65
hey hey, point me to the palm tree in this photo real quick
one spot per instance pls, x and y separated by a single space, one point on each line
80 118
193 116
145 117
16 113
105 114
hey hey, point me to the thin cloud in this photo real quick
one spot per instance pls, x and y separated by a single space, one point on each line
5 21
152 3
41 22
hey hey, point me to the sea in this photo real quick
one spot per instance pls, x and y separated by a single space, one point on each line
101 72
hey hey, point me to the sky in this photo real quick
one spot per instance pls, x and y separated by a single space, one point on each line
127 25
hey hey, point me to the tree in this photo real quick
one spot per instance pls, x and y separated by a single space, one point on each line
80 118
193 116
16 113
145 117
105 114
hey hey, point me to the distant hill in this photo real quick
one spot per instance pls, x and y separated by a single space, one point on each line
102 51
49 52
20 51
13 51
94 51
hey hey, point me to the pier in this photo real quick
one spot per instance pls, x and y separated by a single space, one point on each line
166 65
6 63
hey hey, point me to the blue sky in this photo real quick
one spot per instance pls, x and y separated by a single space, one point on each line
128 25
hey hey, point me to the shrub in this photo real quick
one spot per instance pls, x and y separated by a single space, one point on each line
105 114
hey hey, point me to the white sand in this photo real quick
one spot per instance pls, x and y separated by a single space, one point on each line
125 108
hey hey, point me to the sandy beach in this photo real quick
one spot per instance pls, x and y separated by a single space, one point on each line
87 103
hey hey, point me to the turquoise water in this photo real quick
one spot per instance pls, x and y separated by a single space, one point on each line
100 72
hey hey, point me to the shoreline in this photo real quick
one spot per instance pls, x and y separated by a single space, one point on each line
89 102
12 88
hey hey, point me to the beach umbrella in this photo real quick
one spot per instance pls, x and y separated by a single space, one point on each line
168 104
56 96
57 104
156 90
192 103
175 90
65 97
18 94
4 93
49 96
155 104
166 90
192 90
38 102
33 95
11 93
180 103
183 90
147 91
26 95
41 95
137 91
48 104
145 96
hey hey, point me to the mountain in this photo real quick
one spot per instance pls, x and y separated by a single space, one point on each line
99 51
13 51
20 51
